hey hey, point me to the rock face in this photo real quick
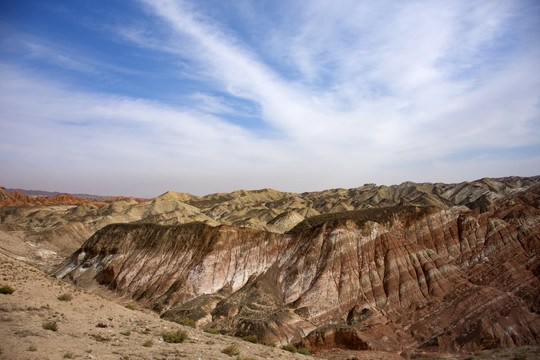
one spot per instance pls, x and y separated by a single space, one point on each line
404 277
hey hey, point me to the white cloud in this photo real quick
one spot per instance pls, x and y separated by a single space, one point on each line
398 48
380 92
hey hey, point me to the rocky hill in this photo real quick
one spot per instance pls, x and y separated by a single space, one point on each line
45 318
52 228
409 268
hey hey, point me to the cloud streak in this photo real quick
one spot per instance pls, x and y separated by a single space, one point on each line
383 86
326 96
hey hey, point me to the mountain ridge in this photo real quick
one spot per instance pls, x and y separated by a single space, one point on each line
47 231
402 278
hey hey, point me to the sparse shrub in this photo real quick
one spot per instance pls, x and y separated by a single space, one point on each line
148 343
251 338
470 357
7 290
130 306
290 348
65 297
50 325
100 338
272 344
520 356
32 348
147 331
69 355
174 337
211 331
126 333
189 322
231 350
353 358
304 351
101 325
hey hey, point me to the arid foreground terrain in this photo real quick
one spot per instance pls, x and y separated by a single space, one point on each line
436 270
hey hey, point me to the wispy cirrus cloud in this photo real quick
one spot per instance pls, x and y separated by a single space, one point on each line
387 75
296 96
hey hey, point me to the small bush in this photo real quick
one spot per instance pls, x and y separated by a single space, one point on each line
211 331
304 351
69 355
32 348
189 322
174 337
100 338
65 297
126 333
148 343
231 350
251 338
272 344
130 306
7 290
101 325
50 325
520 356
290 348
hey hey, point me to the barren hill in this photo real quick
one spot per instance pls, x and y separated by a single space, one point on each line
407 278
45 318
410 268
50 230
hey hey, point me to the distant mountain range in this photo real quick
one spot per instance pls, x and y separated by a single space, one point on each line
34 193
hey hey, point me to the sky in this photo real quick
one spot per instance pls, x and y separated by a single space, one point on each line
139 97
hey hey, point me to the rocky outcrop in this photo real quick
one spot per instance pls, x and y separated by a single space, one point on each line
405 277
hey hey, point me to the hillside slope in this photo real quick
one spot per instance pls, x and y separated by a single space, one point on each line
91 327
405 277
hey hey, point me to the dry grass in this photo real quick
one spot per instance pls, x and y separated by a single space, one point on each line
50 325
231 350
174 337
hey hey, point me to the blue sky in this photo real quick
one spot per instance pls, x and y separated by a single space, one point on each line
140 97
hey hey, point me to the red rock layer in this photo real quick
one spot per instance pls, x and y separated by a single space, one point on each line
404 278
17 198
